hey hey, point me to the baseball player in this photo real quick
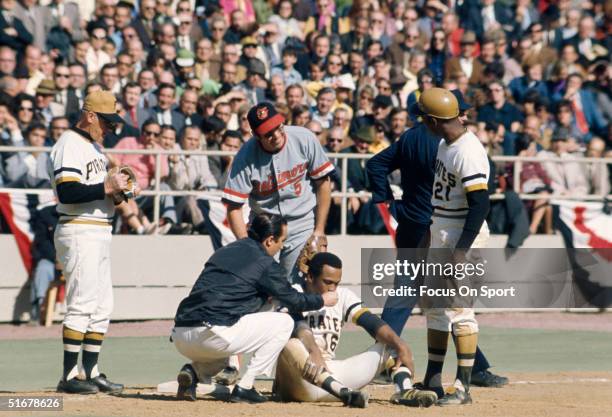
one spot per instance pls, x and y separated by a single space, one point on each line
414 154
307 369
221 315
461 203
87 195
282 170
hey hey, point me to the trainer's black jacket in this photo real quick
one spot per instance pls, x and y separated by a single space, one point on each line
237 280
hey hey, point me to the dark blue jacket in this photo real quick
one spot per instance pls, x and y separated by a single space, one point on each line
508 114
236 281
414 154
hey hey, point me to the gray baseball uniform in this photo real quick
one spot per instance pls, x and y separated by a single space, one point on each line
281 183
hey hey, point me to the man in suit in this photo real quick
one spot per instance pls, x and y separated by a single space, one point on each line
589 48
13 33
256 72
183 36
46 109
65 15
466 62
364 217
135 115
587 117
545 55
144 22
163 112
400 50
78 80
65 96
188 109
31 15
357 39
208 65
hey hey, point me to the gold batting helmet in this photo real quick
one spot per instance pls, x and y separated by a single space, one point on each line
439 103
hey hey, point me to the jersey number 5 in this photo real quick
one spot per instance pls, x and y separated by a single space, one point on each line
438 187
297 188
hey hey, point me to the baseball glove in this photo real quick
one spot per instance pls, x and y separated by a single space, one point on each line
130 190
314 245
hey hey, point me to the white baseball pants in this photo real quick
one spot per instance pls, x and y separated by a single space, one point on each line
355 372
84 253
445 233
262 334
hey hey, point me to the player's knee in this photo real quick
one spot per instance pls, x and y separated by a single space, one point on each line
465 328
284 325
295 353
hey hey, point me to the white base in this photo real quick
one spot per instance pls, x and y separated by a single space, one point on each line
213 389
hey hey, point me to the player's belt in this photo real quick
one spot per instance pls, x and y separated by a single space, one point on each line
448 213
91 222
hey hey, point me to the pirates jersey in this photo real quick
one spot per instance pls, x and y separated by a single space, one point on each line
461 167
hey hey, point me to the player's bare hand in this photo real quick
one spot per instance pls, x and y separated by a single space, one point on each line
330 298
115 183
314 366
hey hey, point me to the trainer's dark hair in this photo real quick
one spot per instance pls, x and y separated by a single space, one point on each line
265 225
316 264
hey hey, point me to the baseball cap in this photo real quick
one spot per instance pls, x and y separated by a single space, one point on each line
463 105
104 104
263 118
185 58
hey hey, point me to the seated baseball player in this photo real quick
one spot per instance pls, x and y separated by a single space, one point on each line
307 369
221 315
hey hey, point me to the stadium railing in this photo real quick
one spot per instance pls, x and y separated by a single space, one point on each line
344 193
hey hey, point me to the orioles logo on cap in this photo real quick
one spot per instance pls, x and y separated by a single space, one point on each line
262 113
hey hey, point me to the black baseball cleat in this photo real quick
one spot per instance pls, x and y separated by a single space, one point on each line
354 399
104 385
439 391
250 396
77 386
488 379
187 384
228 376
457 397
415 398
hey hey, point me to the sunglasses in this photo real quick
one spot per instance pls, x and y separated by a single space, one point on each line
334 140
26 109
62 75
151 133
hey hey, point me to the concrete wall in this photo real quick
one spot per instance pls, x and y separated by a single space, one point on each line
151 274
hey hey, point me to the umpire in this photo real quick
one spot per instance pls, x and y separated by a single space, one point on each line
414 154
221 316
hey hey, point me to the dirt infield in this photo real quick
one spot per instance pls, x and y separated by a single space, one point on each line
576 394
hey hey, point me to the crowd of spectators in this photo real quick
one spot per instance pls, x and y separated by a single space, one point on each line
537 74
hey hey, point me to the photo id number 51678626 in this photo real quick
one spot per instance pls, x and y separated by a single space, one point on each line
31 403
